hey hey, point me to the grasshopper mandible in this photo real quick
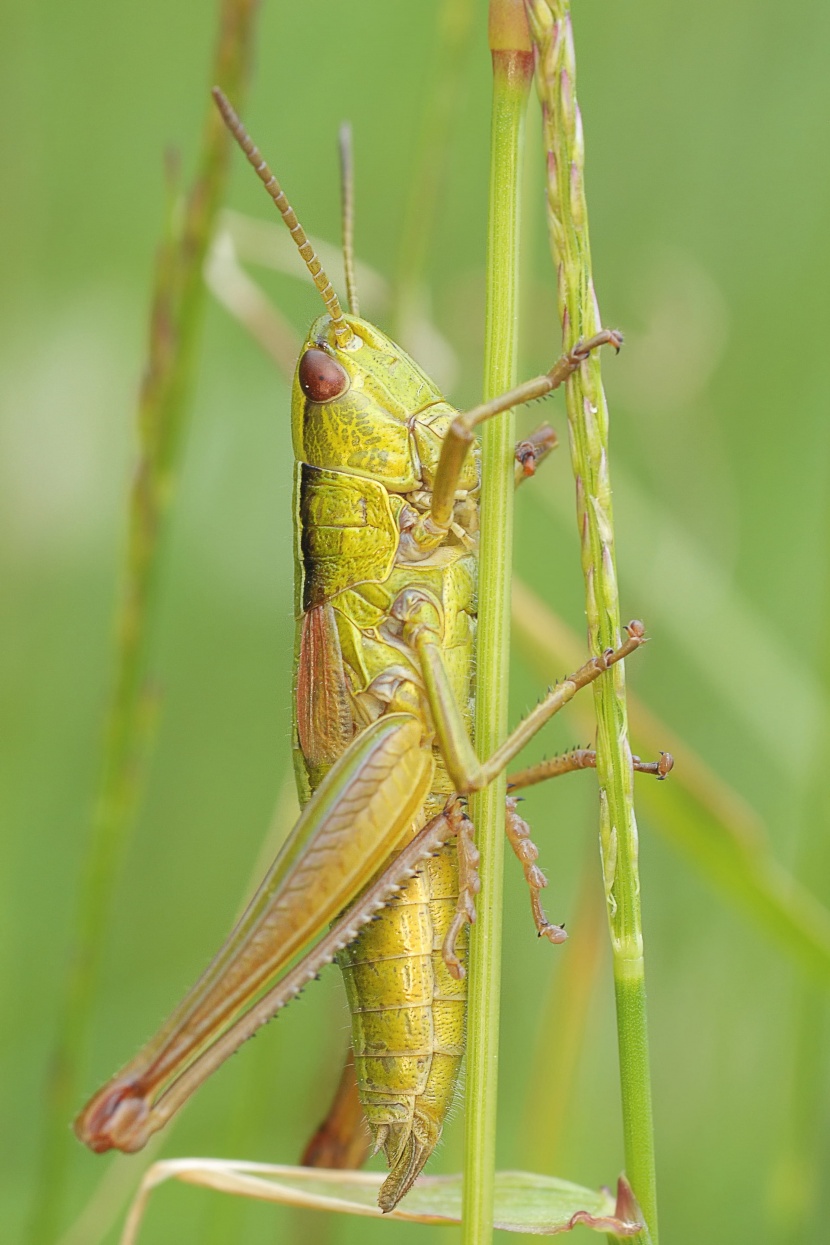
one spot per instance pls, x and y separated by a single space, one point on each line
386 518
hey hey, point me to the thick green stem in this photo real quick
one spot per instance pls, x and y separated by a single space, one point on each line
512 72
176 316
588 425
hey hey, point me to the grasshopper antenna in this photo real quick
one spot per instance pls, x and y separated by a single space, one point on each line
347 192
342 331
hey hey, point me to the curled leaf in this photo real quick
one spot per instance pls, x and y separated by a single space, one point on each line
524 1201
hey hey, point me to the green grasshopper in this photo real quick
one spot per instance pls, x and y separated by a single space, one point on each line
386 518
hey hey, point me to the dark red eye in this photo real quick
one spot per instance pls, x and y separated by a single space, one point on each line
321 377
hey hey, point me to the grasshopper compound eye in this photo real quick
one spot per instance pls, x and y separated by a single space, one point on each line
321 377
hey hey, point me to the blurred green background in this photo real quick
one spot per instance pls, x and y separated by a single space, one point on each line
709 194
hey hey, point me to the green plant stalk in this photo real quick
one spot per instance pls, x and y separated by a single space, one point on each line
512 73
550 23
176 317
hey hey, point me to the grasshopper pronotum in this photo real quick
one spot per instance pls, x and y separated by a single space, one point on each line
386 510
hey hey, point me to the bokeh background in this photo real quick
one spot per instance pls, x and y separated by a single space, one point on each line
709 194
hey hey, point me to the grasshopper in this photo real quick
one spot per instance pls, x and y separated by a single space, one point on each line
386 518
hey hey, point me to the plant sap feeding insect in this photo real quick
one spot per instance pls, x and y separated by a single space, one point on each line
386 521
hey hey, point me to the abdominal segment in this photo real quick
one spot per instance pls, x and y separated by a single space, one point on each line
408 1017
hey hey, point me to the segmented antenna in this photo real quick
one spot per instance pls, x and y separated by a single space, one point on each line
347 190
342 332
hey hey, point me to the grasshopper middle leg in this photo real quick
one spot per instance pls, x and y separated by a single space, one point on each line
468 773
527 853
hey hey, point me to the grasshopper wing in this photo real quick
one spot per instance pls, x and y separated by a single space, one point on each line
356 818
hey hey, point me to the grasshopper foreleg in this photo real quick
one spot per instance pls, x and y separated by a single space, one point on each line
433 527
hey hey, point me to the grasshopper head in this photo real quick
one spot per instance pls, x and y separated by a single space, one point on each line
355 393
352 406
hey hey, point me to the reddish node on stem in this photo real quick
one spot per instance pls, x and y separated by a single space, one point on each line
627 1208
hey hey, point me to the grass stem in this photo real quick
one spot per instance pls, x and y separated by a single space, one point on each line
176 315
512 74
550 22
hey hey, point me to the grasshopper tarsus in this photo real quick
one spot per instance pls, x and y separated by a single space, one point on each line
527 853
606 337
532 450
660 769
568 363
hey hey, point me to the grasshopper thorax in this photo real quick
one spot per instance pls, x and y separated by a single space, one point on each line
355 408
